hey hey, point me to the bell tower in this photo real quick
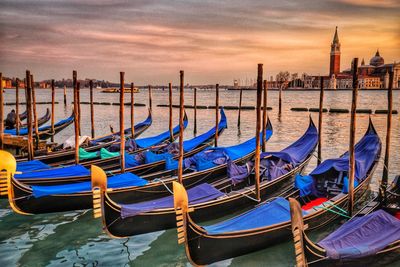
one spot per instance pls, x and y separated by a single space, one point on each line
335 55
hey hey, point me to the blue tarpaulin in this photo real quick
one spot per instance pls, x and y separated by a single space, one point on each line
32 165
187 146
69 171
276 164
214 156
200 193
366 151
362 236
155 140
117 181
24 131
276 211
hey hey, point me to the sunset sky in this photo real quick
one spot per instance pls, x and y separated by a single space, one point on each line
213 41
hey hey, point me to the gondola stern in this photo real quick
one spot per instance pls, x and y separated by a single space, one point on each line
99 187
181 205
298 228
8 168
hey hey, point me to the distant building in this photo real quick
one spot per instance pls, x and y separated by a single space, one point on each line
7 83
375 75
334 66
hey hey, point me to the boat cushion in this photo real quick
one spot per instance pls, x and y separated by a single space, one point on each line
198 194
276 211
362 236
105 154
313 203
68 171
32 165
117 181
84 155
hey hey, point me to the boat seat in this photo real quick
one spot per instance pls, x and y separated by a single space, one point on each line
313 203
333 186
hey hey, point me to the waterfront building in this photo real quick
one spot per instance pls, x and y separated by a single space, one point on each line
334 66
374 75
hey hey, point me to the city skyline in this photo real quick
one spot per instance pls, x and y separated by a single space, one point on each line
212 42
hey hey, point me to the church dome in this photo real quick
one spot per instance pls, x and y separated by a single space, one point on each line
377 60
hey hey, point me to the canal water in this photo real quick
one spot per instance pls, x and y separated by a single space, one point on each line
76 239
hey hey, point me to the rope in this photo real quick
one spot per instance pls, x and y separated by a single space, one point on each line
19 198
316 156
322 206
108 225
161 181
335 206
245 195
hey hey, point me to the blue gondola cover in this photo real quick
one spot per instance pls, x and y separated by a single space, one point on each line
69 171
200 193
362 236
366 151
117 181
274 212
32 165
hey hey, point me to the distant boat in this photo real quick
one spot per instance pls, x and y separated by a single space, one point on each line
116 90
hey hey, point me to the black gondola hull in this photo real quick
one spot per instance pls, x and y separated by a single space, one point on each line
166 219
205 249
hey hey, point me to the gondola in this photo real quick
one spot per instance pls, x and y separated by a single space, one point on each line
42 120
22 116
372 236
40 199
62 155
157 162
78 173
209 200
269 223
45 131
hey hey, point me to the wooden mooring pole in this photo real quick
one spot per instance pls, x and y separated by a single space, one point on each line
171 131
352 136
28 84
35 119
65 95
321 107
216 114
132 111
121 119
258 128
53 96
280 99
150 99
17 120
264 119
91 108
76 116
240 106
78 90
385 176
195 110
181 128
